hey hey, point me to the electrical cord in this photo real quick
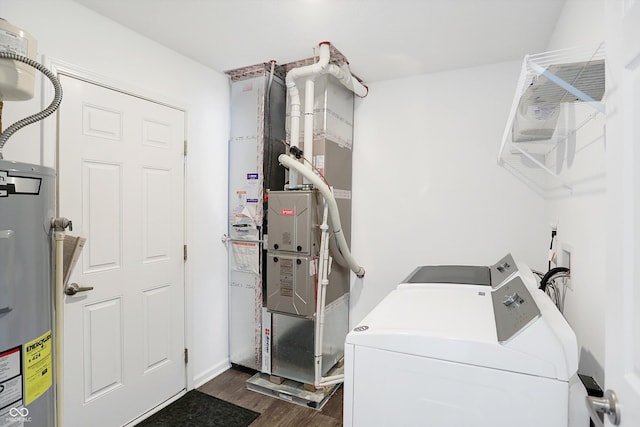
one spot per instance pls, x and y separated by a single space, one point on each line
553 235
57 98
549 285
550 274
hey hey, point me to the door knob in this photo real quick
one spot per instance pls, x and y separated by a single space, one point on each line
74 288
604 405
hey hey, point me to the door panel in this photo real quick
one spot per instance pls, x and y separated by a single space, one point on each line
622 367
101 207
102 355
121 182
155 183
157 328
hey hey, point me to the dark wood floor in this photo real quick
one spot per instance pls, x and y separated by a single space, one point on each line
230 386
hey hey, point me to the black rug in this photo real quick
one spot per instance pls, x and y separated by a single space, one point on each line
196 409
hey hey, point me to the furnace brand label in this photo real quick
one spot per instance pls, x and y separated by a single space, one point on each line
38 367
288 212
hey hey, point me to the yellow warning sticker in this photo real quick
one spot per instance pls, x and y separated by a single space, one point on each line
37 367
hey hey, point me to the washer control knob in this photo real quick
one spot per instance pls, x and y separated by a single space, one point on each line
511 299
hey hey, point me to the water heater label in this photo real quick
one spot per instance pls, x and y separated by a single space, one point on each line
10 380
3 184
10 184
12 42
38 367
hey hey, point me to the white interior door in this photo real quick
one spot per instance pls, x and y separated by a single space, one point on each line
121 175
622 366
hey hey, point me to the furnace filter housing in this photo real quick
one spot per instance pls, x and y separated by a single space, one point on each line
26 313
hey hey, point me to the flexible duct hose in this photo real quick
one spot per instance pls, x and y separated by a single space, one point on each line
334 215
57 98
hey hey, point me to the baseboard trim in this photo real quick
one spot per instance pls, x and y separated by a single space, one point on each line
211 373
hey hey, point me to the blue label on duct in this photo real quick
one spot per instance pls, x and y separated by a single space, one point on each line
252 176
252 200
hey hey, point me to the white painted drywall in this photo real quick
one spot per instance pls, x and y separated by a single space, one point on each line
427 188
71 33
580 217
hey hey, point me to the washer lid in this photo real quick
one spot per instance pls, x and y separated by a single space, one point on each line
457 323
453 274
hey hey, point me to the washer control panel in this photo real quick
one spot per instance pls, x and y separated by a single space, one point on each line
503 270
513 308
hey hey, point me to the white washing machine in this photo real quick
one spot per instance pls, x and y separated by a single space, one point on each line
463 354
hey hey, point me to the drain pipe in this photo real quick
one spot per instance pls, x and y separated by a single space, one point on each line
58 289
321 294
294 95
58 226
321 300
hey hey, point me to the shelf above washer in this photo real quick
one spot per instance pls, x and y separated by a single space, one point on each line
541 133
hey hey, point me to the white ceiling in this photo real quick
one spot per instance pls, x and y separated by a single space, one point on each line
383 39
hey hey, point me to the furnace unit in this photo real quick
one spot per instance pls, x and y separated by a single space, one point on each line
289 257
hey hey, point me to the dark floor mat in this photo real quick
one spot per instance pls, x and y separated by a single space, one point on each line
197 409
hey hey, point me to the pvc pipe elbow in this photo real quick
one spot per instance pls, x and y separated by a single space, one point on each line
344 76
366 90
360 273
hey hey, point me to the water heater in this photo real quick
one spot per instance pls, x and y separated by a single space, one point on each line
26 314
27 392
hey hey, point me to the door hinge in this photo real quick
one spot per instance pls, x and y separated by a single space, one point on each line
186 356
185 147
184 252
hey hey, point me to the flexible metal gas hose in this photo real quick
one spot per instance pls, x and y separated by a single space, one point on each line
57 98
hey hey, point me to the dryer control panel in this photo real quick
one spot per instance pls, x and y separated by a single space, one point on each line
513 308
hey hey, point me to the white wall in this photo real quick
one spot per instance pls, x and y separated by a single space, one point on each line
71 33
580 217
426 185
427 188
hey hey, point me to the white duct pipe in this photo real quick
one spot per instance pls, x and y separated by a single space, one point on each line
294 97
321 295
321 300
309 89
335 379
317 182
345 77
